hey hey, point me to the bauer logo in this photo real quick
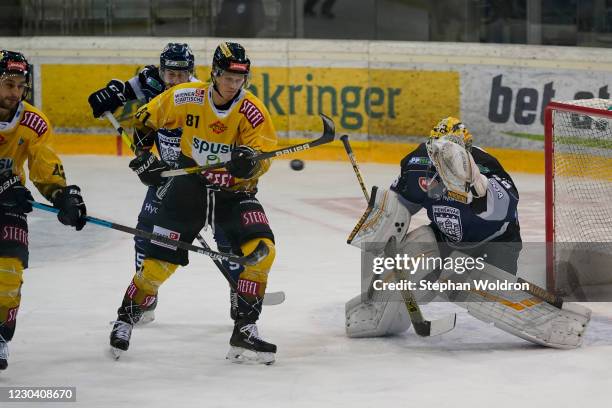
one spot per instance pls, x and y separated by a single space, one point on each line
189 95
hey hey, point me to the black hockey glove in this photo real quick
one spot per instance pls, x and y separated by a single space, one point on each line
108 99
148 168
242 164
13 195
71 207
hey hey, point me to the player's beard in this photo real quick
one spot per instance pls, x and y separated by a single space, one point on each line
8 103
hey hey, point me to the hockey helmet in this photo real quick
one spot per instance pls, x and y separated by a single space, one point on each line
230 57
13 62
178 57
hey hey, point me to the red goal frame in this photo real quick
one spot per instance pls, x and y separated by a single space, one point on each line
549 174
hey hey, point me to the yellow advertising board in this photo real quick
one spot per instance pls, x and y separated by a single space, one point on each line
368 102
361 101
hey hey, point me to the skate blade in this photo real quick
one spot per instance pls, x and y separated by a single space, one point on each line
241 355
116 353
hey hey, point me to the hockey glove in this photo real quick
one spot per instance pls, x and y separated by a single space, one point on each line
108 99
148 168
242 165
71 207
13 195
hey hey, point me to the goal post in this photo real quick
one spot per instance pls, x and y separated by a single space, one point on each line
578 190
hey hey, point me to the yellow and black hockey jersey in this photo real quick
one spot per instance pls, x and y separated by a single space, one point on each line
27 136
210 135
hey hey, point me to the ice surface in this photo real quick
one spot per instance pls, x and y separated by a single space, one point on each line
76 281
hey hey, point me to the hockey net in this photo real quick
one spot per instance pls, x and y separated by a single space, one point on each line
578 152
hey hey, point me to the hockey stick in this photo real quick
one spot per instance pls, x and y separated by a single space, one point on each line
329 134
422 326
260 252
271 298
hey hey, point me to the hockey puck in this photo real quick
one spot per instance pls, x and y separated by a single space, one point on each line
297 164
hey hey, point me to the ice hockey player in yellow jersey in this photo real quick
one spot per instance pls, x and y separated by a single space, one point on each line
25 134
221 121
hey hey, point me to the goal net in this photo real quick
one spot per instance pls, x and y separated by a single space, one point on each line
578 152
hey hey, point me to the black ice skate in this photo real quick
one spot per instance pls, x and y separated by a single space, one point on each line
120 338
4 353
247 346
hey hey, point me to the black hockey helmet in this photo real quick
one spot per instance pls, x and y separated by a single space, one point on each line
176 56
230 57
13 62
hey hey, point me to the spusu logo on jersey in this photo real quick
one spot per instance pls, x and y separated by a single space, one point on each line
205 152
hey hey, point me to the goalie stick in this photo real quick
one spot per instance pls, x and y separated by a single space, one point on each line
329 134
271 298
351 155
422 326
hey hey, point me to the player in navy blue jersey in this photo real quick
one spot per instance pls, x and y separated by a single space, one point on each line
176 66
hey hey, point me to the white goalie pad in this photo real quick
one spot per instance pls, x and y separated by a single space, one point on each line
384 218
519 312
385 313
375 318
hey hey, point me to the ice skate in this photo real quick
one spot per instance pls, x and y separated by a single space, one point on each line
4 353
120 338
247 346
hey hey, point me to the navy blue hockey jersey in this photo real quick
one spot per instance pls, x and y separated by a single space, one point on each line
490 218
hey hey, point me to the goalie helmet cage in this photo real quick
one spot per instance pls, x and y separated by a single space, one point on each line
578 188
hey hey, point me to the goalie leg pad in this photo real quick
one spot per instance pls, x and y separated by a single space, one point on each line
519 312
375 318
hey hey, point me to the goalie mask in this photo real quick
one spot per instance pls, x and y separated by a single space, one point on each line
449 148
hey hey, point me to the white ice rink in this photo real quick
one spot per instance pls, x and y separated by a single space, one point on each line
76 281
